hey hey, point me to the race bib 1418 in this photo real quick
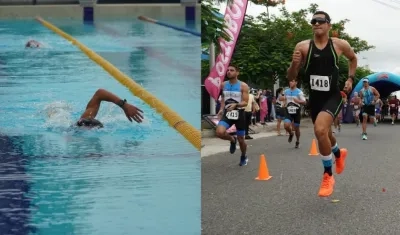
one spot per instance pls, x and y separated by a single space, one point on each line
320 83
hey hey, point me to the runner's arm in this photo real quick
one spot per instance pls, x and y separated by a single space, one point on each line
293 69
222 102
302 98
376 92
348 52
361 98
92 108
245 95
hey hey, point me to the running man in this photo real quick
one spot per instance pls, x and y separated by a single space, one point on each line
378 109
393 108
235 95
320 59
368 95
294 98
356 105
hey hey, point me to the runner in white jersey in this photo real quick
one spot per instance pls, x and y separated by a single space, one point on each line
294 98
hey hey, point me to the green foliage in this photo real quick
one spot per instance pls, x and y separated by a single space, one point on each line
265 46
212 27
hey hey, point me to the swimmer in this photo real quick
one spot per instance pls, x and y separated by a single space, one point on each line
88 117
32 44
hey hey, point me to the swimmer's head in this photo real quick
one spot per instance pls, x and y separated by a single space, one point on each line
32 44
89 123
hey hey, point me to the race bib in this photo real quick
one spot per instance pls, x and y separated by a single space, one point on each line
320 83
292 110
392 105
233 115
355 106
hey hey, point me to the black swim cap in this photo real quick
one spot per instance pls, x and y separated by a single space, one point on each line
89 122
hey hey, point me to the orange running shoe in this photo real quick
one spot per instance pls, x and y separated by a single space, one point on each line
341 161
327 184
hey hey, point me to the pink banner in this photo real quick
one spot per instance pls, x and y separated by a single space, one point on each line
234 17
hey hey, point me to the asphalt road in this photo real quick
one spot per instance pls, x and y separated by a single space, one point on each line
368 190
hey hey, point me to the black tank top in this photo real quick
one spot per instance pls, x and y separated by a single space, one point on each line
322 70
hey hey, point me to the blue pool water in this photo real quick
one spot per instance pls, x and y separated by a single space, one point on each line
126 178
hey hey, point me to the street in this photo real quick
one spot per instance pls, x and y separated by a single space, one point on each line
366 199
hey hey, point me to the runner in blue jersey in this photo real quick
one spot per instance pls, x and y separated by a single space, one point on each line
294 98
368 95
234 98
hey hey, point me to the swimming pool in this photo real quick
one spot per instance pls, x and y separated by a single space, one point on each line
123 179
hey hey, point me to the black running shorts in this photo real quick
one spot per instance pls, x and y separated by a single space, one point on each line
368 110
331 103
239 122
393 111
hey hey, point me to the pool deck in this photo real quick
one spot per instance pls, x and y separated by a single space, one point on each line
102 11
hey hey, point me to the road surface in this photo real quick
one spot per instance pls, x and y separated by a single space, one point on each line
368 190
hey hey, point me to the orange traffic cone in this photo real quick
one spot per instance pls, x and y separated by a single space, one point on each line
263 172
313 149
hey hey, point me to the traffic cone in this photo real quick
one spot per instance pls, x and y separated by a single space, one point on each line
263 172
313 149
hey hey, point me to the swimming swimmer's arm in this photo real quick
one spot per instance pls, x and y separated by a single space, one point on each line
100 95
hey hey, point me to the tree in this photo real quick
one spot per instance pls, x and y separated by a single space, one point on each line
265 46
212 27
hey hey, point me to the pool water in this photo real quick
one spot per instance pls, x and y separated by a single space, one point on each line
126 178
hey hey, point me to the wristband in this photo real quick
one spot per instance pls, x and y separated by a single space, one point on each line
121 103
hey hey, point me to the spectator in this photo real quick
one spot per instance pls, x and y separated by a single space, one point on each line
249 113
263 107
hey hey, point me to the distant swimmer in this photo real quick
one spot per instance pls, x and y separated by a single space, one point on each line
88 117
32 44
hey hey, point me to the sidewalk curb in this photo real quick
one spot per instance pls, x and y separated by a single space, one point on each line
269 127
212 145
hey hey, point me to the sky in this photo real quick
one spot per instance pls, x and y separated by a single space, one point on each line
370 20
